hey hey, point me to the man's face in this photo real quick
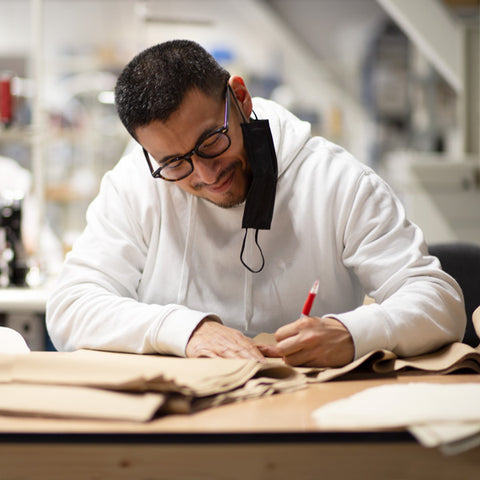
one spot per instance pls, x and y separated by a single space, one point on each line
223 180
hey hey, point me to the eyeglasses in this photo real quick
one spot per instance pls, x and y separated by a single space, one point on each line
210 145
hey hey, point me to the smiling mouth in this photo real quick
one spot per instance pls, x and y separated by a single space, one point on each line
223 185
225 192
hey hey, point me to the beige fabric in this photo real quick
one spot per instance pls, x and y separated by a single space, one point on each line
87 383
78 402
105 378
448 359
128 372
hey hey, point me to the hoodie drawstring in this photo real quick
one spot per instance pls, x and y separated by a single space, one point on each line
185 271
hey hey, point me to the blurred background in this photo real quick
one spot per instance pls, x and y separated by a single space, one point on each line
396 82
388 80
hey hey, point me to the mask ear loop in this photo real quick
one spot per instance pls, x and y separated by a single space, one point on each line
246 230
238 106
259 249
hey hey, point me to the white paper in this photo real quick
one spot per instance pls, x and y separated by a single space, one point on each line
402 405
454 436
12 342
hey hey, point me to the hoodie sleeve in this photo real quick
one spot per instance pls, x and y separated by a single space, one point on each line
418 307
95 302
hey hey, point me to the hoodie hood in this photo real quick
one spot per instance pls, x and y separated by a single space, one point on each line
289 132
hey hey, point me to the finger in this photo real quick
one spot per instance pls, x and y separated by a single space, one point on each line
218 340
269 350
289 346
255 353
247 348
244 348
290 329
246 354
301 357
203 353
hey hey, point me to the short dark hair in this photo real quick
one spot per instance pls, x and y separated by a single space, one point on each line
154 83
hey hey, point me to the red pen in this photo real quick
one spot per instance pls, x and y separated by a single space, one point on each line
309 301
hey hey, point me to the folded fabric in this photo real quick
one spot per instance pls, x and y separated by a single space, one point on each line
78 402
453 357
266 382
179 384
98 380
130 372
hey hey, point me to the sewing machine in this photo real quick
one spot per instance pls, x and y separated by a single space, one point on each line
13 262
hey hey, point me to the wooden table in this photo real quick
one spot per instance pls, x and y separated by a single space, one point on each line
268 438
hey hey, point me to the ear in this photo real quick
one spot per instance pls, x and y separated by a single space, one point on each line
242 94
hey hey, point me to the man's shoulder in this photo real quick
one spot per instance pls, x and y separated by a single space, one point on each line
332 160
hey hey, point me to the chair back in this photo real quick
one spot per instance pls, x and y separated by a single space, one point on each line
462 262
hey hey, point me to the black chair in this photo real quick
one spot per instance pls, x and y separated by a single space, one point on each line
462 262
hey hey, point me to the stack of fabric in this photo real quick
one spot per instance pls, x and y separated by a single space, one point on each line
117 386
121 386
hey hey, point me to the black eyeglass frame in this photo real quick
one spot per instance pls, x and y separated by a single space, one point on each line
157 173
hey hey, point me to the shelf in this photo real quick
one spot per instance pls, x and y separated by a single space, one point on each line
16 134
26 299
65 193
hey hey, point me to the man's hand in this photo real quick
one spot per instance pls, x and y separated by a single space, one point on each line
314 342
212 339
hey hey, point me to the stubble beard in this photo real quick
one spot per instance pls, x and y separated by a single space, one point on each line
230 200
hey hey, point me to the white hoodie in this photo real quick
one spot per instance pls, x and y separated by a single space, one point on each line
155 260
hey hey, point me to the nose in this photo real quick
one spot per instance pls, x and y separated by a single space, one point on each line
206 169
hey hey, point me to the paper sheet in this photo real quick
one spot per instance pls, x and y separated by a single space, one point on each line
452 437
12 342
402 405
446 415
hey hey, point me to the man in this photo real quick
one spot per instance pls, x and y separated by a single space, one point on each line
158 269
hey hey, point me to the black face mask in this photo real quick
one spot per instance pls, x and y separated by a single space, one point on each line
258 212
